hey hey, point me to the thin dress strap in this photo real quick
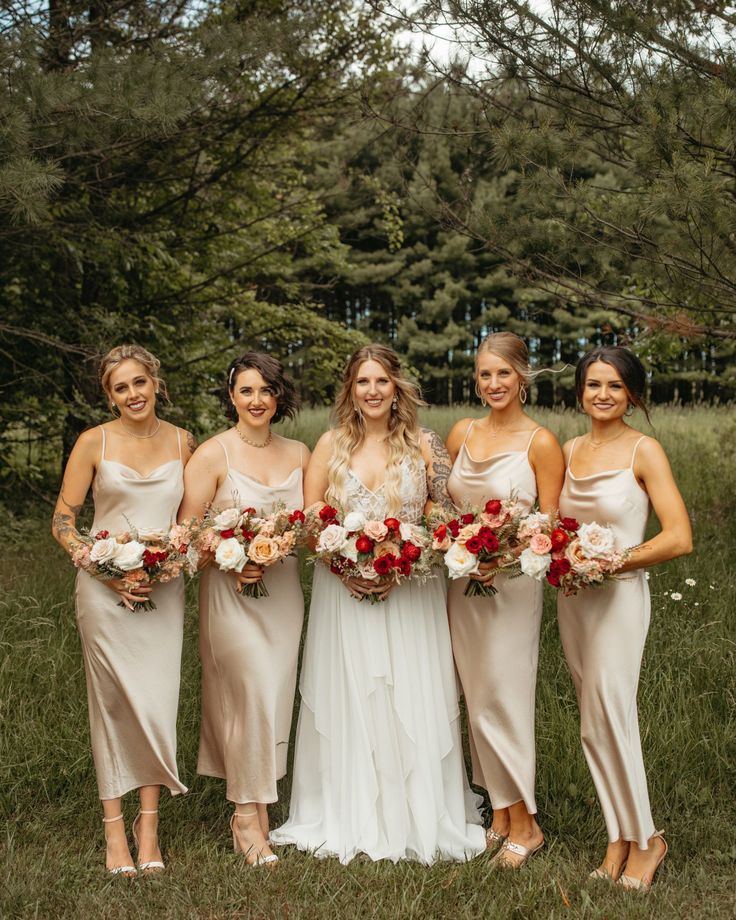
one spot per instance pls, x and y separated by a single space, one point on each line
178 441
572 451
102 429
636 447
224 450
467 432
529 444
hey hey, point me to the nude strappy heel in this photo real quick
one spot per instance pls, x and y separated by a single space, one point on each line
128 871
517 849
631 883
493 839
152 863
237 847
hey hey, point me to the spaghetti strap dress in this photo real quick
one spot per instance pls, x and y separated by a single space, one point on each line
603 631
249 649
495 640
132 660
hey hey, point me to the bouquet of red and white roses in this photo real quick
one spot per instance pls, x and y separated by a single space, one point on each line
237 537
138 557
378 551
478 535
569 555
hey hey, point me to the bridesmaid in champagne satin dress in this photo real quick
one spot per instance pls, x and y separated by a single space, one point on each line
495 640
613 474
249 646
132 659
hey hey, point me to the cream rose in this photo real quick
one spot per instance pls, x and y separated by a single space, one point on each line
354 521
465 533
332 539
376 530
534 565
286 542
460 562
227 519
367 571
597 541
230 555
576 556
264 550
350 550
103 550
129 556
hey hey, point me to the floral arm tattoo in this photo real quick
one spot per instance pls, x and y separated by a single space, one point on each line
438 471
64 524
192 444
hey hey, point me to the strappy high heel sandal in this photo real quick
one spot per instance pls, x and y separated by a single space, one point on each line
152 864
260 860
631 883
493 839
517 849
127 871
603 874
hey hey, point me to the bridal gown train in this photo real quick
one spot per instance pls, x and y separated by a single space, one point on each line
378 765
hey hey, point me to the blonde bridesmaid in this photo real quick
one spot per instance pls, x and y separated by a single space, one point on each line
249 646
496 640
613 474
134 465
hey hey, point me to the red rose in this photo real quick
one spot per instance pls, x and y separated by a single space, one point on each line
328 514
404 567
474 545
226 534
570 524
559 539
490 541
392 524
440 533
454 527
249 510
467 519
151 558
410 551
493 506
383 565
364 544
553 578
297 516
560 566
102 535
247 534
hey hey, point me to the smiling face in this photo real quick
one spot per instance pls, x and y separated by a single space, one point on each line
498 383
254 398
604 396
133 391
373 391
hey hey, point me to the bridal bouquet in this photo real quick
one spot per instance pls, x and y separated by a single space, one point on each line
478 535
378 551
237 537
569 555
138 557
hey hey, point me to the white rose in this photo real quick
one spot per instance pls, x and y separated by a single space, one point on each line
597 541
367 571
350 550
230 555
227 519
408 532
534 565
460 561
354 521
103 550
129 556
332 539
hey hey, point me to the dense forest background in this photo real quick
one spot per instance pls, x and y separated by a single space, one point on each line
205 176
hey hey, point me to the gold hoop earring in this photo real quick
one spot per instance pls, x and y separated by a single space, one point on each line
481 398
113 408
522 394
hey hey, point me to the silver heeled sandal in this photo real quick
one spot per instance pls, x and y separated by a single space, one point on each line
493 839
152 863
631 883
127 871
517 849
260 860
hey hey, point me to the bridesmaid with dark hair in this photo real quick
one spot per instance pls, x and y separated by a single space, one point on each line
249 646
613 474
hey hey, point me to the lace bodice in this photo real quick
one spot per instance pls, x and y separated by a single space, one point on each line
373 504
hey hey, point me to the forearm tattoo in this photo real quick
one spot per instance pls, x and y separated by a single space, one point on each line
64 523
192 444
438 471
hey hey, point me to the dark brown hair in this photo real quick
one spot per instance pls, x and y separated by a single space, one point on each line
272 371
629 368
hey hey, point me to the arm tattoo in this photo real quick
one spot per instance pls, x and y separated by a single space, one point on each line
191 442
438 471
65 524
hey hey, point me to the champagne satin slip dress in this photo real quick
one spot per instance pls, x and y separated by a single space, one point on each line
603 631
249 649
495 640
133 660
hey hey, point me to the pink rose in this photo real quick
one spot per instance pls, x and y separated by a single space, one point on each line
376 530
540 543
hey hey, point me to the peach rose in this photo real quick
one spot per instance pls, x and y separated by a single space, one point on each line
494 521
375 530
442 545
264 550
470 530
286 542
540 543
388 547
578 560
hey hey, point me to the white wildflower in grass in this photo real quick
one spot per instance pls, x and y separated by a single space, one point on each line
696 604
676 596
690 582
646 575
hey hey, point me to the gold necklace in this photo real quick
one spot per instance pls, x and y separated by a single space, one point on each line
255 443
594 445
141 437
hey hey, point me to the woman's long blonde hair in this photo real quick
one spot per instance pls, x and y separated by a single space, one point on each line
349 426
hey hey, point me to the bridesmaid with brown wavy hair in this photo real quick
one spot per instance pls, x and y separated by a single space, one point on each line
135 466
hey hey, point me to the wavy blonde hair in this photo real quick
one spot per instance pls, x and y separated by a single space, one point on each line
511 348
349 426
138 353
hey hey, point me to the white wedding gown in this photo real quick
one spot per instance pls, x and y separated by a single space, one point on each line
378 765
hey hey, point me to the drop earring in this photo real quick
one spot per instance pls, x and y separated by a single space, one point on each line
481 398
394 403
522 394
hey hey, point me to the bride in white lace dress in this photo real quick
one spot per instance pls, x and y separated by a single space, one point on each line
378 765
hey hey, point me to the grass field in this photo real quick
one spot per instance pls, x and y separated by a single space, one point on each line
51 849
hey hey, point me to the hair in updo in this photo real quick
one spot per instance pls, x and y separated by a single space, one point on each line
511 348
116 356
626 363
272 371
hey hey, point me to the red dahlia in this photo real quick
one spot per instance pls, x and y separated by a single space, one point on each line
454 527
297 516
493 506
410 551
474 545
467 519
328 514
570 524
384 564
440 533
559 539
